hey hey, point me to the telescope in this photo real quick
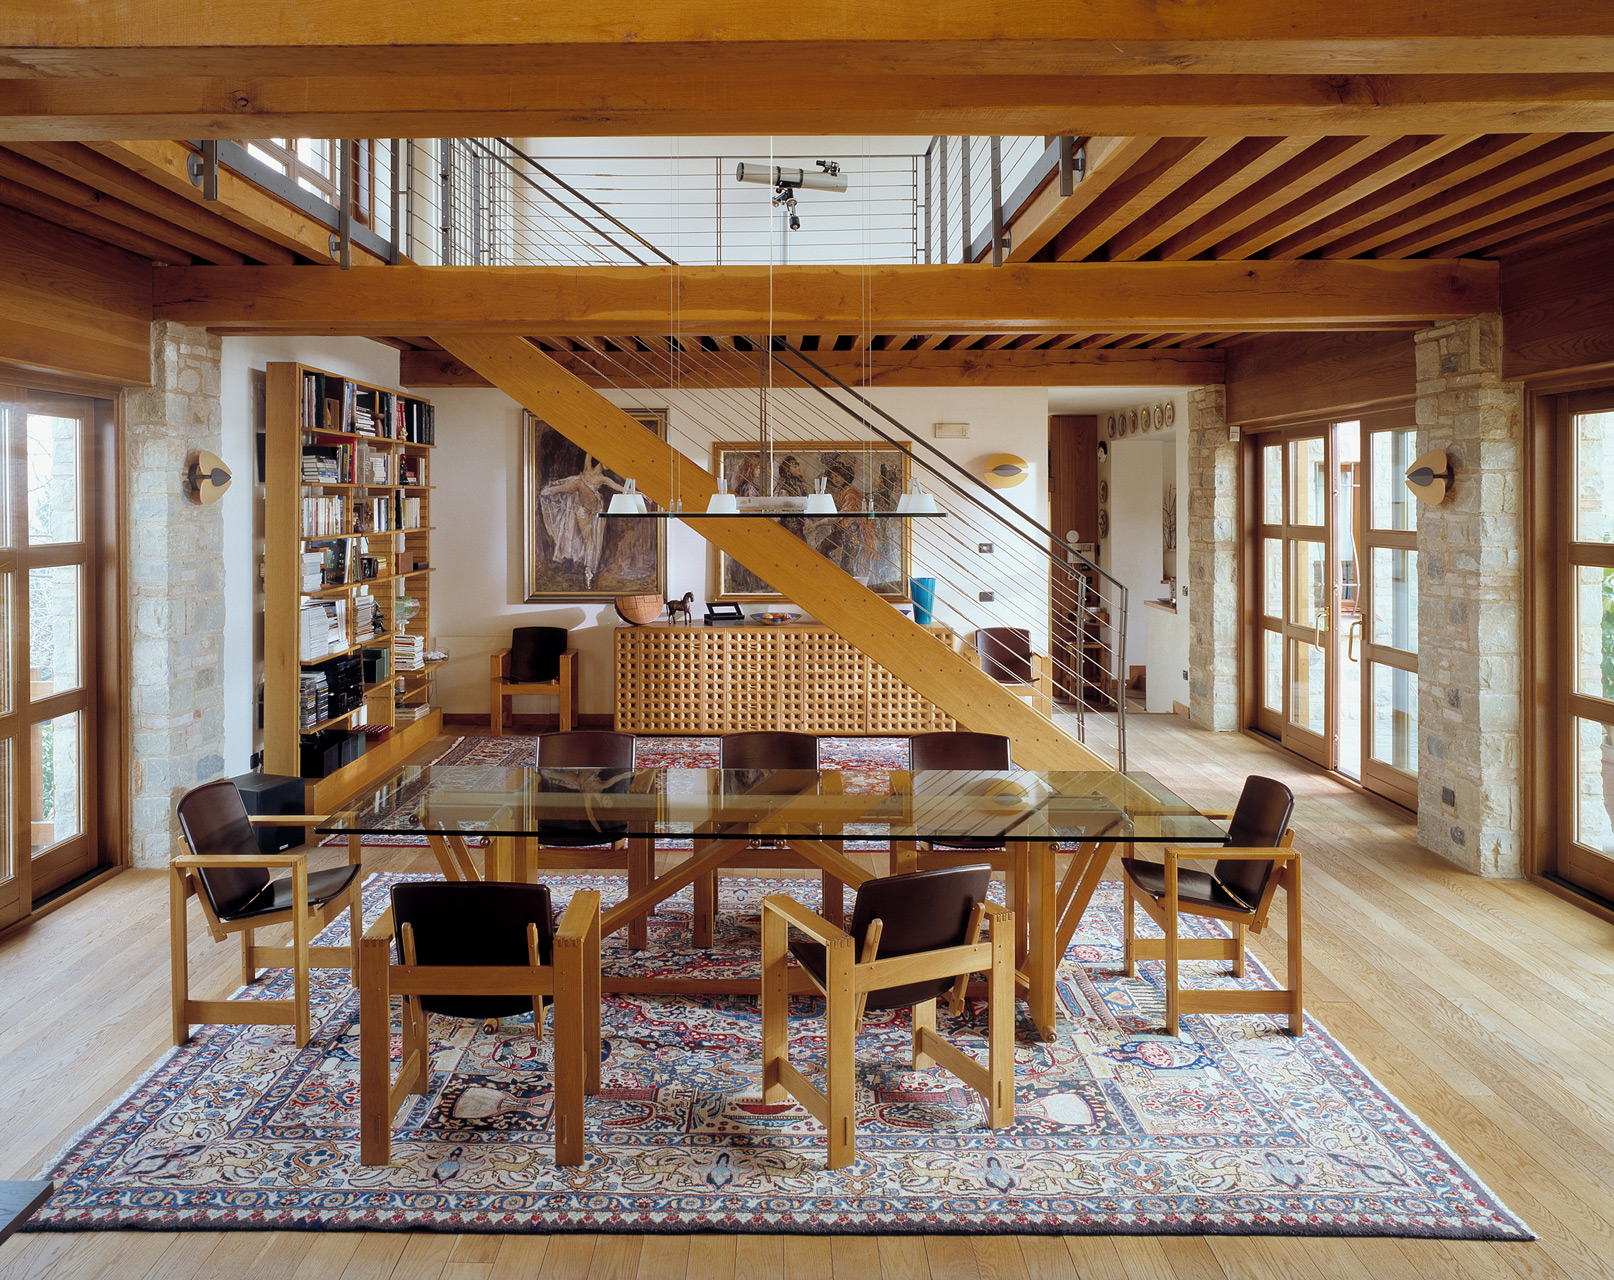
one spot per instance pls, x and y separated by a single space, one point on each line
827 177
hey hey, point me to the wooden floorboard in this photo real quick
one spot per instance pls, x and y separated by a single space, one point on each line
1485 1006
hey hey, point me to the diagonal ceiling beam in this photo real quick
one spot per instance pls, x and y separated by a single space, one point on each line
1023 298
935 671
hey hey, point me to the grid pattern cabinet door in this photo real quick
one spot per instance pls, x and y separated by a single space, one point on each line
662 685
825 684
741 684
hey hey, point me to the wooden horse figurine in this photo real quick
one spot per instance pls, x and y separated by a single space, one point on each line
676 607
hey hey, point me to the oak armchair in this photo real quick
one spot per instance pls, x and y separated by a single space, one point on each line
538 662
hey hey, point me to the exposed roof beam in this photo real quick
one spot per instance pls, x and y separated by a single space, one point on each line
1103 297
615 92
162 37
889 369
1170 163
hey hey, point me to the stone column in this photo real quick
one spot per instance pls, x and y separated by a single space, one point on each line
176 579
1213 579
1470 668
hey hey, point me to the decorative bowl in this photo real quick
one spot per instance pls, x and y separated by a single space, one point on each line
639 610
777 619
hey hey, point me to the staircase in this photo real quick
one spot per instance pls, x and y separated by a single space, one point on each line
1034 565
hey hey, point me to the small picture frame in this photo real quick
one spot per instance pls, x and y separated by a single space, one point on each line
724 611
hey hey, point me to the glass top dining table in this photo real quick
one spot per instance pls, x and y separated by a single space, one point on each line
1023 821
1020 805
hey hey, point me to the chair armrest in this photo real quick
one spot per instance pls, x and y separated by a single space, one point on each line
288 819
999 915
267 860
498 663
381 930
582 914
1215 852
813 925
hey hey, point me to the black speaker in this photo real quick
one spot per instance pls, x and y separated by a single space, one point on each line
272 793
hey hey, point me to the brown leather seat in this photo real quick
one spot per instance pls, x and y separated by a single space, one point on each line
1238 889
1006 654
962 750
768 749
474 923
586 749
923 911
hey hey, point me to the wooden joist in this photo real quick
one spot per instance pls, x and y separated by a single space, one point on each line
1048 297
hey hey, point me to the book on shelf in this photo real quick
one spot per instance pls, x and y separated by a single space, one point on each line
411 514
408 713
322 516
408 652
313 570
419 425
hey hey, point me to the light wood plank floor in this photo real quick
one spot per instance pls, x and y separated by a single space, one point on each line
1486 1006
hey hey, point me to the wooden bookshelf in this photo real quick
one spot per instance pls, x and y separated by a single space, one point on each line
371 515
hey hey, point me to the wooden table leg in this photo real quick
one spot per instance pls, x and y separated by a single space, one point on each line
1086 870
375 1053
1042 960
641 871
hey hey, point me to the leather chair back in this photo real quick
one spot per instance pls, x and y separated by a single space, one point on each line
535 654
586 749
768 749
214 821
1260 820
959 749
1005 654
474 923
921 911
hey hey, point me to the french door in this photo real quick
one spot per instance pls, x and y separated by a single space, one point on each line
1336 662
53 581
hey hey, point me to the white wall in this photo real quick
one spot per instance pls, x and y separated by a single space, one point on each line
478 592
241 373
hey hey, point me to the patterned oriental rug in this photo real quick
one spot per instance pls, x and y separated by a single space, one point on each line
1234 1129
850 755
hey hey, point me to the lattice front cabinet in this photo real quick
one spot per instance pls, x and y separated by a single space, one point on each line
672 678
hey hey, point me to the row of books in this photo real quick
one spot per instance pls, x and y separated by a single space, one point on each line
343 464
408 652
337 404
326 517
323 517
406 713
321 629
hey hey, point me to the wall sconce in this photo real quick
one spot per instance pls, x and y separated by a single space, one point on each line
207 478
1005 470
1430 477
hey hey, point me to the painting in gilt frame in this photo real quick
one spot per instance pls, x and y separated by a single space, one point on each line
875 552
570 553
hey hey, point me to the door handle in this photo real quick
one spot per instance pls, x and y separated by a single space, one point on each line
1351 633
1321 619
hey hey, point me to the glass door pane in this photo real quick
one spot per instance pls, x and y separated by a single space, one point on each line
56 799
55 639
1394 716
1308 624
54 502
1388 696
1308 687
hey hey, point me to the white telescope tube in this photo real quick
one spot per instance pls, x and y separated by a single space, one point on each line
772 175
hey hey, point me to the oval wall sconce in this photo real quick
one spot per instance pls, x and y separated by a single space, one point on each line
1005 470
207 478
1430 477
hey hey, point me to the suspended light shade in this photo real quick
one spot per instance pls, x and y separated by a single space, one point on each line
630 502
916 502
722 503
820 502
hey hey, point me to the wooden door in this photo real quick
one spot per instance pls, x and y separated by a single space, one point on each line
1072 507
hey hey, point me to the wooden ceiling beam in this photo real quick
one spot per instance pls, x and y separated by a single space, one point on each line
1168 164
602 95
1597 219
1486 155
25 172
879 368
28 199
1108 161
931 341
1247 162
1133 297
1537 166
1316 160
1588 201
1513 199
107 175
1384 166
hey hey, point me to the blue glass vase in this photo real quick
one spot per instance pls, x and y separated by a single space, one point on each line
923 591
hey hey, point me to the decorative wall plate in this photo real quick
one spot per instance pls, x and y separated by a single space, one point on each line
1132 422
1103 492
1171 412
1159 417
1103 522
1112 426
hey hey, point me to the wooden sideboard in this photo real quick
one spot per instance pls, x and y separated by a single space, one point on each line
675 678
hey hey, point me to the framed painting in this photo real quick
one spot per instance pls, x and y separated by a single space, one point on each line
875 552
569 552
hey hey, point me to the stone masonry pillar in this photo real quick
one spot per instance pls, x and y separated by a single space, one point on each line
176 580
1470 668
1213 580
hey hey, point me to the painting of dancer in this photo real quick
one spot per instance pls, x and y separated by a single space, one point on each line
875 552
572 554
